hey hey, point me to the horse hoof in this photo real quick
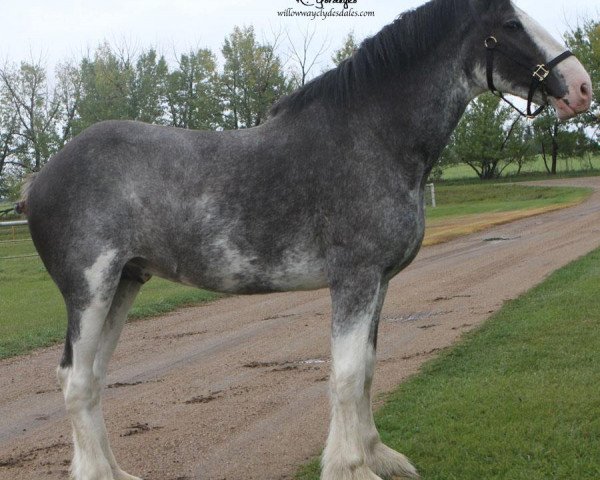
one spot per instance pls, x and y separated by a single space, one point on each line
99 471
389 463
361 473
413 476
121 475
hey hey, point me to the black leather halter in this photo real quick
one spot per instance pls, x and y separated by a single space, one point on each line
538 80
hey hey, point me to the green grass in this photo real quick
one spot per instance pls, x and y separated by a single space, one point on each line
566 168
517 399
454 200
19 232
32 313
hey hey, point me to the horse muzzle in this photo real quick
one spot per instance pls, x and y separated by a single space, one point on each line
579 90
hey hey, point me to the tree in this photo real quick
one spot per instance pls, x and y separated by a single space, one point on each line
69 89
9 128
117 84
483 139
584 42
107 81
35 122
559 139
252 79
520 146
37 111
193 92
302 57
346 50
149 88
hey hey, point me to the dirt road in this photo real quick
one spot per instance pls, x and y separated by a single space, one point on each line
237 389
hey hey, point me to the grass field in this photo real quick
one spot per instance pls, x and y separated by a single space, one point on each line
517 400
32 313
566 167
31 309
460 200
465 209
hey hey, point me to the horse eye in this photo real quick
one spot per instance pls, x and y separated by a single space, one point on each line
513 25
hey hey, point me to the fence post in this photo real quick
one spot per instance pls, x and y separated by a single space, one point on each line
13 224
432 190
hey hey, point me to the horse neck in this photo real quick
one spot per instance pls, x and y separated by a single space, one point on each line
415 113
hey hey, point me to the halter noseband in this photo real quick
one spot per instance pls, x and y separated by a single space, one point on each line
538 81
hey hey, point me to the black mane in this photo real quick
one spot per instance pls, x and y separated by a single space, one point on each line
397 46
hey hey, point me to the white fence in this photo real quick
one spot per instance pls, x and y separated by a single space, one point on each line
12 226
430 199
16 223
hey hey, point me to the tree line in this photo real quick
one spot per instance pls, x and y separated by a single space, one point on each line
39 113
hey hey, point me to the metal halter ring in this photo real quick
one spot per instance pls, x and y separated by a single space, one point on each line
541 72
488 42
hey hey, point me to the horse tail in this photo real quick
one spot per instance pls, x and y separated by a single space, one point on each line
22 206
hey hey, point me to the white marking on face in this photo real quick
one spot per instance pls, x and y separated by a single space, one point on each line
571 70
543 40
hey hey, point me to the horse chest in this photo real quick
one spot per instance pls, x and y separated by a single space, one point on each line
405 230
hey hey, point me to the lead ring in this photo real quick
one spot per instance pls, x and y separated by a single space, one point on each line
488 42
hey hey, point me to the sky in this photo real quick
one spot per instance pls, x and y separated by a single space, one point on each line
59 30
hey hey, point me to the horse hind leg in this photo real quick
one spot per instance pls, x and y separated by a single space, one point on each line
89 344
124 296
354 450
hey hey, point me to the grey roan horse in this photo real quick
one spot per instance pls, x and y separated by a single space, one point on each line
328 192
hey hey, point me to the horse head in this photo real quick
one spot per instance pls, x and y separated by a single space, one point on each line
516 55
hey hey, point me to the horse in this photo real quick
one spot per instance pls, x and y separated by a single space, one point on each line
327 192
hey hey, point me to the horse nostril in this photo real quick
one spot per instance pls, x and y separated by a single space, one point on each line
586 90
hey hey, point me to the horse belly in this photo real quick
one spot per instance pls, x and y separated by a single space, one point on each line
298 274
280 278
231 270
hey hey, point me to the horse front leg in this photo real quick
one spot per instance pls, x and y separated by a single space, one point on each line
384 461
354 450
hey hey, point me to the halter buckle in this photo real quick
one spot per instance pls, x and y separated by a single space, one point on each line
541 72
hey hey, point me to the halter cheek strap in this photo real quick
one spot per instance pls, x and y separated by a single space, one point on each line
538 81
